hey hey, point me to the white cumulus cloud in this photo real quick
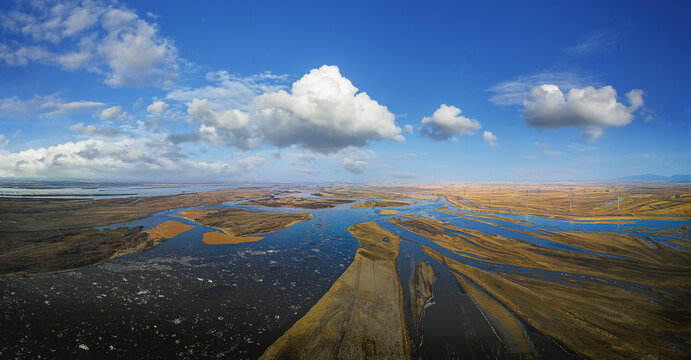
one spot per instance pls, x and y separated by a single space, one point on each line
324 113
219 127
589 109
157 108
112 112
490 138
515 91
446 122
100 37
118 159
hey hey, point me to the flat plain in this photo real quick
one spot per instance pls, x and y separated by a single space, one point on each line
384 271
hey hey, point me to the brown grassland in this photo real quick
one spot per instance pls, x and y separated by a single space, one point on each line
50 235
297 202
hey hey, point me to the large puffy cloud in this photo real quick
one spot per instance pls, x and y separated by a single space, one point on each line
447 122
324 113
103 38
124 158
590 109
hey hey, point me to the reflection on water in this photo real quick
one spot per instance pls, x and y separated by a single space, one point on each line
185 299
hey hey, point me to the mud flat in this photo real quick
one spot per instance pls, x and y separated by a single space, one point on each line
361 316
240 225
379 204
298 203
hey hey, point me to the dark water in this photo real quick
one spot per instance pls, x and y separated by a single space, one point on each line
186 299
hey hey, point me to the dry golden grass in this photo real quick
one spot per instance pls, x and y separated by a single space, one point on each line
379 204
239 223
578 201
168 230
361 316
594 319
218 238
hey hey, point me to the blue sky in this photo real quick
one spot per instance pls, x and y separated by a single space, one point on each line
348 91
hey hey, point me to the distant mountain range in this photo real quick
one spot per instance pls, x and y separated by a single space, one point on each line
658 178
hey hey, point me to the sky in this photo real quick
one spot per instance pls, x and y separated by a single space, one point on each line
380 92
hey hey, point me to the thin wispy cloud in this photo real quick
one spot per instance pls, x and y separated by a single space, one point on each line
405 156
516 90
600 42
44 106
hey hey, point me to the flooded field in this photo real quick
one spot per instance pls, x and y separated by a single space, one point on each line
474 284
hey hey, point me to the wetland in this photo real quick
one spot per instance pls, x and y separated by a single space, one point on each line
377 272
